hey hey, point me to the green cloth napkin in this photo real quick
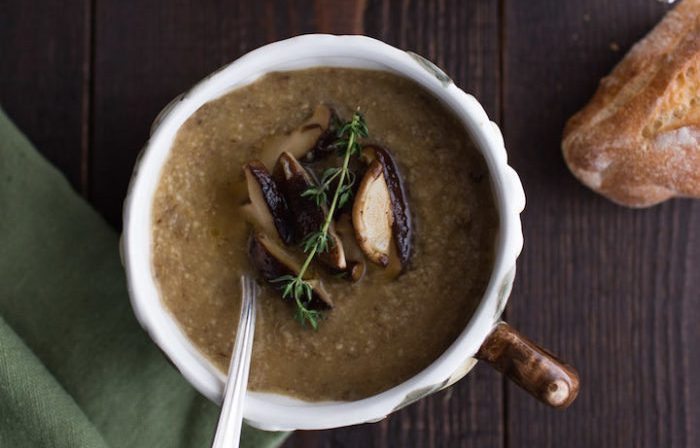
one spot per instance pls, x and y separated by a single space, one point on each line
76 369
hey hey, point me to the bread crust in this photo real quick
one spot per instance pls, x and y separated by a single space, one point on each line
637 141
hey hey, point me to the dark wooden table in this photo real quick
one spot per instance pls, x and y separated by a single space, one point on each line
614 291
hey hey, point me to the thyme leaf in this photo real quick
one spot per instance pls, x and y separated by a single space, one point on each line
296 287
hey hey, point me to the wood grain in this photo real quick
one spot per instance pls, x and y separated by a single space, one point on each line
612 291
168 49
44 71
532 367
339 16
147 53
609 289
463 38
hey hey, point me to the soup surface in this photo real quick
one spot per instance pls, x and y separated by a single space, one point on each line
381 331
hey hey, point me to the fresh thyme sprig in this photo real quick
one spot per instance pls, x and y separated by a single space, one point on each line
318 242
302 293
319 192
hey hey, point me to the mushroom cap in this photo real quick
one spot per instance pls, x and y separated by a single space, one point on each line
307 216
294 180
268 204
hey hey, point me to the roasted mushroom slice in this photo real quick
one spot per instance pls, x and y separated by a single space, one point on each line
293 180
273 262
372 215
325 144
267 202
308 217
401 224
308 140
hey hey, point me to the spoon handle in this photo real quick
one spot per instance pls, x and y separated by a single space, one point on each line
228 430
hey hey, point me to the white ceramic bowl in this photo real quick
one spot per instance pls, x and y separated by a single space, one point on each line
276 412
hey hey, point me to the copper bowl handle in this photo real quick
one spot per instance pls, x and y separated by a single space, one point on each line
530 366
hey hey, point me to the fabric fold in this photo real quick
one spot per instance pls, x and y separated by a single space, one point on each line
68 328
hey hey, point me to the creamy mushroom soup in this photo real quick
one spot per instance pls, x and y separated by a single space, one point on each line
409 249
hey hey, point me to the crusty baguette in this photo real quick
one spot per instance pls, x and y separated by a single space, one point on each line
637 142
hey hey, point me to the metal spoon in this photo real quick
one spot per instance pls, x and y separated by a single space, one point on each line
228 430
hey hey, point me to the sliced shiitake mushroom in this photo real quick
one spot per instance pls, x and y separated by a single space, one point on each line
293 180
273 262
310 140
267 202
325 144
308 217
372 215
401 222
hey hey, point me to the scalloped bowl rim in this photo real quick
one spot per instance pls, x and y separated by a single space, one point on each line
277 412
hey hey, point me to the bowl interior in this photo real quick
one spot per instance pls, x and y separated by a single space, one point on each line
273 411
